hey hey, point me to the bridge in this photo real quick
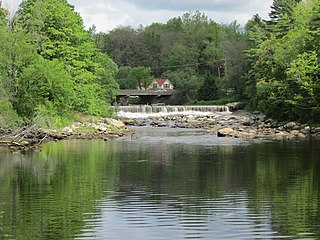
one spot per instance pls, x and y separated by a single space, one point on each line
146 96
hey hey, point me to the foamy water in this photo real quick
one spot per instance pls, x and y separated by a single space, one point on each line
146 111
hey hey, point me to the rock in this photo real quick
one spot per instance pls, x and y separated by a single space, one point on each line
101 128
24 143
316 130
306 131
225 132
67 130
296 133
248 123
236 106
129 121
114 122
290 125
246 134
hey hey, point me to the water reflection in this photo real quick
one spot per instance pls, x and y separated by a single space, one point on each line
165 185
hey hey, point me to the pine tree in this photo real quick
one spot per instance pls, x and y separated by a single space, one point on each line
280 8
282 17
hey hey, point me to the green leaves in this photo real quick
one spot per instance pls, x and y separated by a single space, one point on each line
285 67
71 74
133 78
43 82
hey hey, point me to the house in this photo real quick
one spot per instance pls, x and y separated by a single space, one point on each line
161 84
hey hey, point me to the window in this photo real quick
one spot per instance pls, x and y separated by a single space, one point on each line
154 85
166 85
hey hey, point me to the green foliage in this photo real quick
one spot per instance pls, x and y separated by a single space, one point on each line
45 83
3 15
187 81
281 9
185 49
134 77
208 90
47 117
15 55
8 116
59 35
283 67
50 66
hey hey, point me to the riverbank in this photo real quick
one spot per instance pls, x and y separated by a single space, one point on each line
238 124
32 137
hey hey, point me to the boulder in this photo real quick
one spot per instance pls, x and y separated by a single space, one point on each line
225 132
316 130
24 143
129 121
114 122
101 128
236 106
296 133
67 130
291 125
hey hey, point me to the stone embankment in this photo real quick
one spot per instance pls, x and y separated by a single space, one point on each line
32 137
239 124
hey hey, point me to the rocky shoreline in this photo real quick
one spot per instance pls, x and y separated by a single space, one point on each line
32 137
238 124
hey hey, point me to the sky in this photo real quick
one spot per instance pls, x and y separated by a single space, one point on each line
109 14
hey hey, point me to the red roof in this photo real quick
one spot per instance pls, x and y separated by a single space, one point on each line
161 81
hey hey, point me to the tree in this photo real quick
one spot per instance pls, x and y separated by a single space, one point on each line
192 43
58 33
283 70
303 80
8 116
16 53
3 15
314 27
280 8
209 89
282 16
142 76
45 83
123 78
186 81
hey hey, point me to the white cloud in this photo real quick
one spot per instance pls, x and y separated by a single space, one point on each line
108 14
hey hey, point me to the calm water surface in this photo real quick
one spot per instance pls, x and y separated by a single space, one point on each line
167 184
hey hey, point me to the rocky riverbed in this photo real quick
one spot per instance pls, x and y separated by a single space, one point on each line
238 124
32 137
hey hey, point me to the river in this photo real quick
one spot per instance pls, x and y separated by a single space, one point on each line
167 184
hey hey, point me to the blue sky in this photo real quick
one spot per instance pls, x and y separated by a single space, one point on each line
108 14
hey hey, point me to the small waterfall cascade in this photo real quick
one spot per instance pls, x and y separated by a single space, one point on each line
134 111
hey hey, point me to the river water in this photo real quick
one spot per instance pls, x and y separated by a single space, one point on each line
167 184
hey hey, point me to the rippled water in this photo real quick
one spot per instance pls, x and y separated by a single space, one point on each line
167 184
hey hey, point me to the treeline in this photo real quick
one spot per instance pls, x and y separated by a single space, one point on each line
272 64
50 66
202 58
283 71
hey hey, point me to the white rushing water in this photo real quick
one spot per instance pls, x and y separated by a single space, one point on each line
145 111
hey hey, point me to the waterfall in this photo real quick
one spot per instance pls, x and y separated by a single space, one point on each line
145 111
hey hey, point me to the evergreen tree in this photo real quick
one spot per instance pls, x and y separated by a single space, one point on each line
280 8
282 16
209 89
